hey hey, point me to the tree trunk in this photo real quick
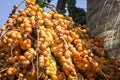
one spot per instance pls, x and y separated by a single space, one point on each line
61 5
103 18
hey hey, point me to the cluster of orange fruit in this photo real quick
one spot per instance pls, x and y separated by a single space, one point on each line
35 44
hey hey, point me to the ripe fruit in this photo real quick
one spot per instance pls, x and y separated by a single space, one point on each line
35 44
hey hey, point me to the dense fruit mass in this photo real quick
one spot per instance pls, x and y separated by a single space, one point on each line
38 45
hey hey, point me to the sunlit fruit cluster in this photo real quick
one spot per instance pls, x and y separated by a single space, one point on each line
39 45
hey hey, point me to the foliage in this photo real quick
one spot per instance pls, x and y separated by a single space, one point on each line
42 2
78 14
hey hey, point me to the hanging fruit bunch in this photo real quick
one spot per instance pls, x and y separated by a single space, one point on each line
39 45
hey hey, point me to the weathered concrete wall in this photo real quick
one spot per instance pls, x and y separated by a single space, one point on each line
103 18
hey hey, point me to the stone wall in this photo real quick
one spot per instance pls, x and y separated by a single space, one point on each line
103 18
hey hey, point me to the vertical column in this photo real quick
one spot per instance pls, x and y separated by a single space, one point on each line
103 18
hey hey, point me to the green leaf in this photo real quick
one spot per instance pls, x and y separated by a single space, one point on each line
40 2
